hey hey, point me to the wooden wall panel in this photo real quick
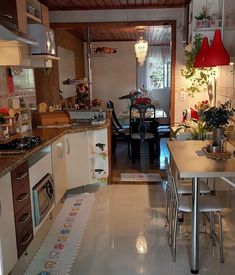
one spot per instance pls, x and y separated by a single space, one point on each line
66 39
47 80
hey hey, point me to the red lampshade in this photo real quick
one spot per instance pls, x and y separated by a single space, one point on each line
217 54
201 55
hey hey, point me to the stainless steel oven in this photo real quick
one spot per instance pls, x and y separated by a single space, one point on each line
43 198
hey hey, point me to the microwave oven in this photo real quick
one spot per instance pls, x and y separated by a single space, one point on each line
45 38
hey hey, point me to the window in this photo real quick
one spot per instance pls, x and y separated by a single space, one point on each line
159 74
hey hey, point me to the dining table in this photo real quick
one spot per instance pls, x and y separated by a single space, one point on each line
160 115
190 162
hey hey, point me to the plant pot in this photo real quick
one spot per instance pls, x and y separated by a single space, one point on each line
217 136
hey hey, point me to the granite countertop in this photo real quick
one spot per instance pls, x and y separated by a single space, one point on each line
49 135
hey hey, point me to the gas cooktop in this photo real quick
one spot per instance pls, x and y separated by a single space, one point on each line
20 145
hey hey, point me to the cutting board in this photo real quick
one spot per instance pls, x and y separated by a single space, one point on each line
50 118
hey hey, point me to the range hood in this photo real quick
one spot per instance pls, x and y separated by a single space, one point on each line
43 54
9 31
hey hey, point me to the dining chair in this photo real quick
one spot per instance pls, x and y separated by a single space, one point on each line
143 134
183 187
208 204
118 131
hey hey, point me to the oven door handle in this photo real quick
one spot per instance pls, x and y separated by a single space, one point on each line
22 176
23 197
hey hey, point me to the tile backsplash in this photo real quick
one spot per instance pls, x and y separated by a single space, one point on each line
23 85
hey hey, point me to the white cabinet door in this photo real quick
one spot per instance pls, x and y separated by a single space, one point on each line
59 168
77 159
8 253
98 155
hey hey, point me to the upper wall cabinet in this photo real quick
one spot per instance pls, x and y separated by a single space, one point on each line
229 26
8 10
204 17
31 12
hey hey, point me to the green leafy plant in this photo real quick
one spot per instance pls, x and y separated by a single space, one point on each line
202 15
196 129
218 117
199 77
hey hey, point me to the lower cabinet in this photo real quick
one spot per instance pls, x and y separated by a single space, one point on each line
59 168
77 159
8 253
98 155
22 207
86 157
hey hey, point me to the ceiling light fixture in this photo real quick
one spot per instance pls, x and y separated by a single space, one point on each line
141 49
215 55
201 55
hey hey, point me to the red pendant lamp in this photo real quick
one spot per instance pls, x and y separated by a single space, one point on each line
217 54
198 63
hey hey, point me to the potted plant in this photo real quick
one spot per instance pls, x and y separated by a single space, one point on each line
217 119
199 77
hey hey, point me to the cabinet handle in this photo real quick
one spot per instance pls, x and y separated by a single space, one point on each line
60 150
68 146
0 208
22 176
24 218
29 236
23 197
6 16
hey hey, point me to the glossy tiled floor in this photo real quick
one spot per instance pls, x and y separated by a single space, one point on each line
126 236
126 233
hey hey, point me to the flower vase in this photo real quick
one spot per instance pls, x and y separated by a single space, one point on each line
217 136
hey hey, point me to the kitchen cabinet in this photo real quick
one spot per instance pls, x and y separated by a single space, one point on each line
98 155
229 27
7 226
209 17
8 10
22 207
77 159
59 168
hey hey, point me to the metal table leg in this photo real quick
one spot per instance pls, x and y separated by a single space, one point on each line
195 226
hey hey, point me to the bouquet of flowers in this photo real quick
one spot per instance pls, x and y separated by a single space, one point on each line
142 101
83 101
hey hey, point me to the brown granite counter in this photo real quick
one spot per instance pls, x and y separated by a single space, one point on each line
49 135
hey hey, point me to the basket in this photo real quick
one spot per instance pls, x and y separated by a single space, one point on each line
217 156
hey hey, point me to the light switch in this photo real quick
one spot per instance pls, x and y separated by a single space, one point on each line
182 96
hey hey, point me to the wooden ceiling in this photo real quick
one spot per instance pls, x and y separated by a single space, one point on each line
112 4
155 35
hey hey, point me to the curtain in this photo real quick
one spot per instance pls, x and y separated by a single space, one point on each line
159 53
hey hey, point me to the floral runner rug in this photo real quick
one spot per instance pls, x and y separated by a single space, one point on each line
140 177
61 245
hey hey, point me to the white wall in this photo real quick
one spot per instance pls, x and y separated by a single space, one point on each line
163 97
66 70
114 75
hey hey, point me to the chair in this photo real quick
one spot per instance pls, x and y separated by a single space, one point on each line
184 188
118 131
208 204
142 133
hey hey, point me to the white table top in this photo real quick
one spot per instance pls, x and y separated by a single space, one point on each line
191 165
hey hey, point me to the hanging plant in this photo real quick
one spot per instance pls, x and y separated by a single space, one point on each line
199 77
